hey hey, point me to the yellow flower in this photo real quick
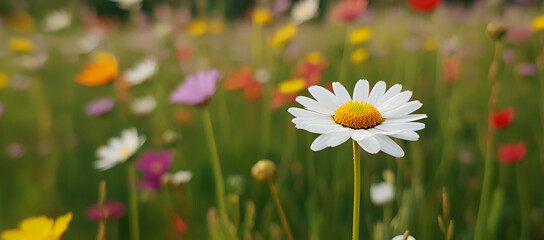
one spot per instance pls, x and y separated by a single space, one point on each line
314 57
430 44
294 85
99 72
359 55
283 35
360 35
262 16
216 26
21 45
20 21
538 23
3 80
197 28
39 228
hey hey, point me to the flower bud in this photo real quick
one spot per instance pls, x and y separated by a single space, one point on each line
264 170
496 30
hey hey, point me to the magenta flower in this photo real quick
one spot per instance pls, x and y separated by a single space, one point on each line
151 182
111 210
99 107
155 163
526 69
1 109
197 89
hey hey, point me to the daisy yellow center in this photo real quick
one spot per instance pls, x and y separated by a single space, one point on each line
126 151
357 115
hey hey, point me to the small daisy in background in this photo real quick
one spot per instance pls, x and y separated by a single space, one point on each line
144 105
304 11
141 72
381 193
118 149
127 4
57 20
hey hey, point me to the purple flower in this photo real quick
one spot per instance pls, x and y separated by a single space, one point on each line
1 109
99 107
508 55
110 210
526 69
155 163
196 89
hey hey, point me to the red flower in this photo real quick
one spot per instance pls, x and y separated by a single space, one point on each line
451 69
184 54
512 153
423 5
502 119
178 224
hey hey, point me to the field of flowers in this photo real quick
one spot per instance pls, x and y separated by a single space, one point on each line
277 119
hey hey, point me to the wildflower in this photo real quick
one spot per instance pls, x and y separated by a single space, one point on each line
20 21
118 149
253 90
155 164
518 34
262 75
381 193
90 41
369 119
15 150
261 16
450 45
178 178
450 66
280 6
110 210
21 45
304 11
184 54
99 72
141 72
311 68
99 107
508 55
216 26
143 105
238 79
35 61
538 23
401 237
197 28
294 85
3 80
127 4
496 30
512 153
57 20
526 69
502 118
197 89
349 10
360 35
264 170
39 228
465 156
1 109
430 44
423 5
178 224
183 116
283 35
359 55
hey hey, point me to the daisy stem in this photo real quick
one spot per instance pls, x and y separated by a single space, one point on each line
356 189
133 201
101 199
216 166
280 210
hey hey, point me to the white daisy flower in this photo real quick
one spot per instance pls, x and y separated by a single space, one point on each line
127 4
181 177
118 149
401 237
57 20
90 41
141 72
381 193
304 11
143 105
369 119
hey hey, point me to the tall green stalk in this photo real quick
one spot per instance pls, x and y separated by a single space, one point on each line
133 203
356 189
216 165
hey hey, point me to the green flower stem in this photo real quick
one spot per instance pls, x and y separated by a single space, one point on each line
525 204
356 189
280 210
133 203
216 166
343 65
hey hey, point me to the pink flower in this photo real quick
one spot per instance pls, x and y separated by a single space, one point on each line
197 89
111 210
349 10
512 153
518 34
451 69
99 107
508 55
1 109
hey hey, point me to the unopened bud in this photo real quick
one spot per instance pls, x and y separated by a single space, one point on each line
264 170
496 30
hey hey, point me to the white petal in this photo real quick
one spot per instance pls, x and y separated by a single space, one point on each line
393 91
324 97
403 110
395 102
341 92
360 134
319 143
387 145
339 137
407 118
321 128
370 145
303 113
360 93
313 105
407 135
414 126
377 92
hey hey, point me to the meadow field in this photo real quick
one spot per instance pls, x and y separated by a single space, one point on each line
256 120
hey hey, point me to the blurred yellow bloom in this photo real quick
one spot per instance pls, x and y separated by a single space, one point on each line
359 55
283 35
538 23
197 28
430 44
294 85
99 72
262 16
360 35
39 228
21 45
20 21
216 26
314 57
3 80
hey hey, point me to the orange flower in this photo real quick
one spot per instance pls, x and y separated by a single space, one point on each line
99 72
238 79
